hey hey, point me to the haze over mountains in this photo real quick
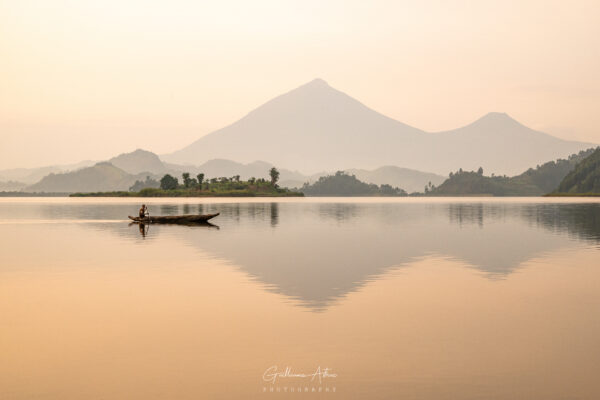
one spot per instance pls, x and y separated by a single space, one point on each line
312 131
121 172
33 175
407 179
101 177
318 128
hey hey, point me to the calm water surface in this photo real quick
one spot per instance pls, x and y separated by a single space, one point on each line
398 298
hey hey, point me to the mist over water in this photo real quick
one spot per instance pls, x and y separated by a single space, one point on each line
481 296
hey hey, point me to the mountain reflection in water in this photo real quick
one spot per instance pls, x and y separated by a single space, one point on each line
317 253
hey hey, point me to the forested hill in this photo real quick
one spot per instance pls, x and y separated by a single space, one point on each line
471 183
342 184
534 182
585 178
549 175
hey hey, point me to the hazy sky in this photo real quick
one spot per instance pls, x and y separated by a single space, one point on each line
91 79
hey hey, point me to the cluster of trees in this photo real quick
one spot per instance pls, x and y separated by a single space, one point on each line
169 182
460 171
430 187
342 184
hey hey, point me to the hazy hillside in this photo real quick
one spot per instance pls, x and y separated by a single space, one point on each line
317 128
407 179
33 175
139 161
533 182
585 178
101 177
11 186
549 175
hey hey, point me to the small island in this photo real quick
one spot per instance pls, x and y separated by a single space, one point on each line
169 186
343 184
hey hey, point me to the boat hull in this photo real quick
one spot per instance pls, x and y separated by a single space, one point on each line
174 219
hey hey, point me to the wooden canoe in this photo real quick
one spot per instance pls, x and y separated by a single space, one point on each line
174 219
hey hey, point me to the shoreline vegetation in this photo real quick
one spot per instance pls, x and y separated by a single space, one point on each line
33 194
576 176
572 195
169 186
150 192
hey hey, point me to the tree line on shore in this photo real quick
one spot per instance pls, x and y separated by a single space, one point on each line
200 183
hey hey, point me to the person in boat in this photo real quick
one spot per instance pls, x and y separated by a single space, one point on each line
143 211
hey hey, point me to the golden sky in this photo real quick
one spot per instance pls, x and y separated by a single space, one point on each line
91 79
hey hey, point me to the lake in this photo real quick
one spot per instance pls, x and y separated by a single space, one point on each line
379 298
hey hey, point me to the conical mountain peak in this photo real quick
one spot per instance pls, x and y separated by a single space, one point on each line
317 82
495 120
496 117
316 86
316 127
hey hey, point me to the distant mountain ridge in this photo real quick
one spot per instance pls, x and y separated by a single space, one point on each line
144 161
122 171
137 165
101 177
11 186
139 161
126 168
318 128
33 175
405 178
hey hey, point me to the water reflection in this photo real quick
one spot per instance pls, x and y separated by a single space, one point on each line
317 253
143 229
466 214
274 212
576 220
322 252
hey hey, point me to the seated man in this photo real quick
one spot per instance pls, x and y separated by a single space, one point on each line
143 211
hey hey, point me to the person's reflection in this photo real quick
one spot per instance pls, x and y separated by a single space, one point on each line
143 229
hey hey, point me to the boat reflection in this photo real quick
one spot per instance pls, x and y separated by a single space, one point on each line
144 228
